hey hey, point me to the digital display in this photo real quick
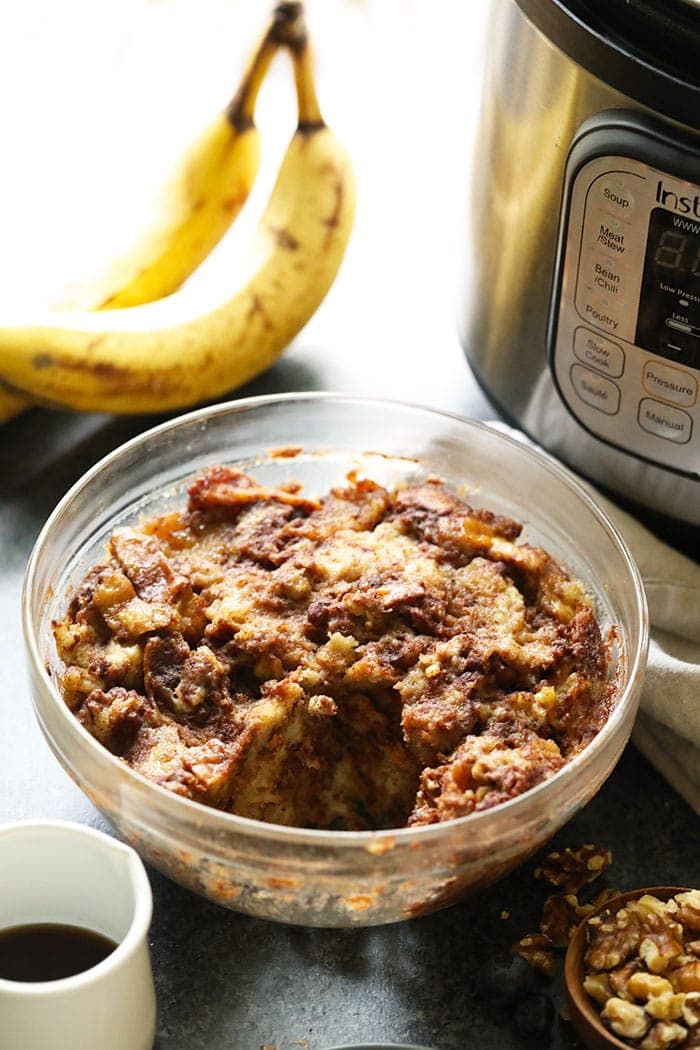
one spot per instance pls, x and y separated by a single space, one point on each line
669 314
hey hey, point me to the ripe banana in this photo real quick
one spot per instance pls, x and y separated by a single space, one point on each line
165 355
11 405
207 191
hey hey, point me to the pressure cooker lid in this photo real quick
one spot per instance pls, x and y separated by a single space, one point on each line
647 49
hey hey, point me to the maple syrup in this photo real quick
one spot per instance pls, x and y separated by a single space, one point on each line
50 951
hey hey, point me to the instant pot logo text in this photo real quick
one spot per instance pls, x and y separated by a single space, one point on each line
669 199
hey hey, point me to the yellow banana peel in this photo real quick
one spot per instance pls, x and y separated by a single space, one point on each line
169 354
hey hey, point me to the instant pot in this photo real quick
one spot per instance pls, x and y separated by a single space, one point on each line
582 311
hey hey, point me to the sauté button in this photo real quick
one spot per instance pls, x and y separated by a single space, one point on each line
598 352
666 422
596 390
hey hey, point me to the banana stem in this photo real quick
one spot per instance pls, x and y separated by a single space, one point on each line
241 108
289 29
309 109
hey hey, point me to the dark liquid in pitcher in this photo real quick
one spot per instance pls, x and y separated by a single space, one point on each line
50 951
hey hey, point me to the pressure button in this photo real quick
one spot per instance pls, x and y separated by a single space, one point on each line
669 383
596 390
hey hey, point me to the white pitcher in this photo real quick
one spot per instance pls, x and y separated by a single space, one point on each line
58 872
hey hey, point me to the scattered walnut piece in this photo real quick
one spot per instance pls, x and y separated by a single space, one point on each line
536 948
561 914
601 898
573 868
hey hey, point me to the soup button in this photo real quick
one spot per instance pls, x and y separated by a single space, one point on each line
596 390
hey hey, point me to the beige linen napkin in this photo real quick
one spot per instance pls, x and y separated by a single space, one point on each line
667 730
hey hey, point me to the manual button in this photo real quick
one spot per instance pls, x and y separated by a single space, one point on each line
596 390
598 352
664 421
669 383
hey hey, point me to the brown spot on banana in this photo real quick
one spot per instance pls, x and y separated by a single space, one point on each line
103 369
258 310
232 203
283 238
331 223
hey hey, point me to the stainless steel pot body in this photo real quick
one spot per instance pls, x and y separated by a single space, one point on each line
537 99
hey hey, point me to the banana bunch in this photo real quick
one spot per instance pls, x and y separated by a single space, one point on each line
141 348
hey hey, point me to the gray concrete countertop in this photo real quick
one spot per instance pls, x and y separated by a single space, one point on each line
226 981
231 982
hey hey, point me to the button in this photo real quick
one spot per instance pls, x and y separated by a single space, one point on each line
598 352
616 196
605 279
664 421
610 234
670 383
595 390
599 313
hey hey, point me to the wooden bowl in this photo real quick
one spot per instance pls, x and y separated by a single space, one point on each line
585 1016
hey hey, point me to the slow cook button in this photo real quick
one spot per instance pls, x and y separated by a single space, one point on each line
595 390
598 352
670 383
664 421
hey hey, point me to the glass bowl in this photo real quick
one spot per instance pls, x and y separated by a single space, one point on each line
310 877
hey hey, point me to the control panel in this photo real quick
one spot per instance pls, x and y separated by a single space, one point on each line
625 328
